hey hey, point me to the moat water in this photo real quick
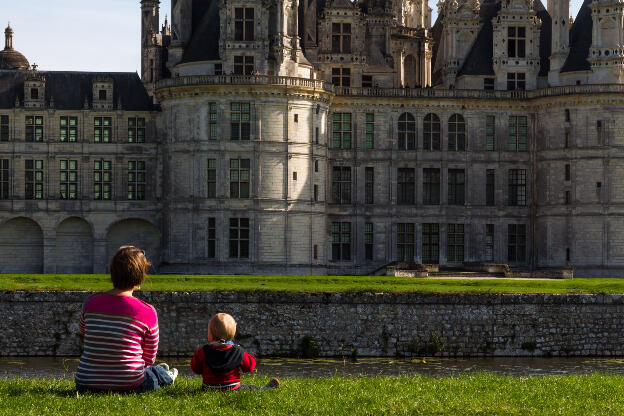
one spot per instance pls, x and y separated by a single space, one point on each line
289 367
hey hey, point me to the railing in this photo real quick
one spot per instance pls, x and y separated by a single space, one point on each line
196 80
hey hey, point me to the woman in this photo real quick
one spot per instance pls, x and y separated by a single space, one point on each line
121 333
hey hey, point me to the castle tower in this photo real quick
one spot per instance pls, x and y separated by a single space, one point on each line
412 13
152 44
606 52
559 11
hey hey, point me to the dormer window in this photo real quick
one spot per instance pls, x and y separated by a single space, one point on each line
516 81
243 65
244 23
102 95
341 37
34 93
516 42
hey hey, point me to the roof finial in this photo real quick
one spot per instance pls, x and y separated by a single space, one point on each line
8 37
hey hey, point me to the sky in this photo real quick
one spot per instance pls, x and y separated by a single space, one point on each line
88 35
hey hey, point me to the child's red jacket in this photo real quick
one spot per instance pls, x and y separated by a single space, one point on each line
220 365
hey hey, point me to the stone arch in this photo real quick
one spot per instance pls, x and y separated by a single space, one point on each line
74 246
21 246
411 72
134 232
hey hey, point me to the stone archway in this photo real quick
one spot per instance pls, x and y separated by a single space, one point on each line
21 246
74 246
135 232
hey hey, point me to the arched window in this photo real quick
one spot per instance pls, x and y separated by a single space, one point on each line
456 133
407 132
431 132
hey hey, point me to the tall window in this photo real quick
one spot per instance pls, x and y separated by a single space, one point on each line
406 186
455 242
368 241
341 185
341 77
341 38
243 65
33 179
488 83
568 174
316 193
240 121
103 180
405 242
457 133
136 180
489 242
407 132
370 131
516 42
4 128
517 134
212 238
102 129
517 187
431 186
431 132
431 243
244 23
367 81
490 189
341 129
136 130
211 178
456 187
239 238
239 178
490 133
4 179
516 81
34 128
516 242
369 185
212 121
69 179
341 241
68 130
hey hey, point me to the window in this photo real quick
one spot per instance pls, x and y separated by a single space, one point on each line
368 241
370 131
244 23
490 189
243 65
567 172
239 178
367 81
567 197
211 178
34 179
212 238
239 238
34 128
405 242
431 243
102 95
212 121
516 81
488 83
567 140
516 42
103 180
490 133
457 133
240 121
102 130
406 186
34 93
342 131
68 129
516 242
136 180
4 179
341 185
341 241
455 243
431 186
294 176
517 134
69 179
568 254
567 115
316 193
517 187
341 38
218 69
341 77
296 118
431 132
489 242
315 252
407 132
316 166
316 135
4 128
136 130
369 185
456 185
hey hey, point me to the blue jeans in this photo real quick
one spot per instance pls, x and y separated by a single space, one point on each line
155 377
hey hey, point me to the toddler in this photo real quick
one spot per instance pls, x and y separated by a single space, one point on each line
221 361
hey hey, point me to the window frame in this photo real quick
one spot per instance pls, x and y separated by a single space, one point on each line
34 128
5 179
341 37
516 41
239 238
211 178
518 140
341 77
5 130
456 182
136 129
240 121
342 185
369 242
342 130
369 185
369 131
102 133
432 132
406 242
406 127
517 187
244 24
33 178
341 239
137 174
406 186
102 180
457 133
455 243
430 243
516 243
68 179
240 178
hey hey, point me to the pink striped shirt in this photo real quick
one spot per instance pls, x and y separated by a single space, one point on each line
120 340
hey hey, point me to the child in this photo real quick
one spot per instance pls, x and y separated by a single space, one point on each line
220 361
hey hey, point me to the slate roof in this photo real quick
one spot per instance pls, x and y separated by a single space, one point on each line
580 41
204 42
69 89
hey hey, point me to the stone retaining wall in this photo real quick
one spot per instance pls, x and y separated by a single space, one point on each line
46 323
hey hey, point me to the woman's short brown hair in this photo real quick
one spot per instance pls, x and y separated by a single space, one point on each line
128 267
222 326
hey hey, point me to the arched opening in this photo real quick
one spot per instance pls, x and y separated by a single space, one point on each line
21 246
74 246
134 232
411 72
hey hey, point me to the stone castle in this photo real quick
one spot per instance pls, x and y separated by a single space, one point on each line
325 137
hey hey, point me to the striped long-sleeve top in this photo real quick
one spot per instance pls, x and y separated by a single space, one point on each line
120 340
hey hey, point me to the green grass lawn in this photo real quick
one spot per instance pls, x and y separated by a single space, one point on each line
480 394
314 284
